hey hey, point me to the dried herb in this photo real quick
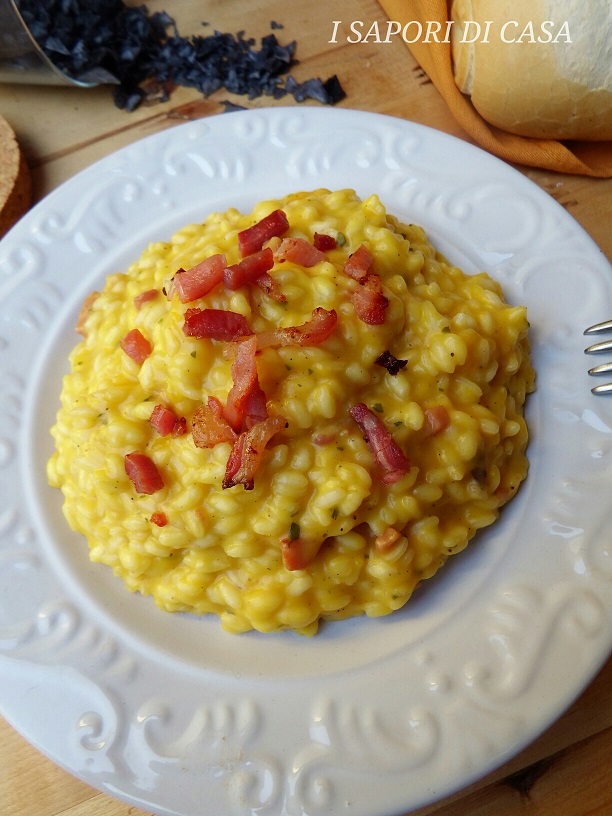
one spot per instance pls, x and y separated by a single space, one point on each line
144 56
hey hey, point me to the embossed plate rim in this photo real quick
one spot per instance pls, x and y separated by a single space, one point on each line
120 730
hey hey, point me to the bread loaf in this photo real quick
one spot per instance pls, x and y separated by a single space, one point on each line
538 68
15 180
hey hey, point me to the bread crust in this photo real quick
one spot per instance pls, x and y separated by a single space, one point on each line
553 89
15 179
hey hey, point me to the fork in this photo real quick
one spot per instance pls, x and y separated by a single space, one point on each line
600 348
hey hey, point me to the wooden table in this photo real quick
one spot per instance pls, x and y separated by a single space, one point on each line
566 772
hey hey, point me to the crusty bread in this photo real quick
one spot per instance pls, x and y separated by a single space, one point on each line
554 88
15 180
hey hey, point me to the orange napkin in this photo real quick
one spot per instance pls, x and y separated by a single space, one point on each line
581 158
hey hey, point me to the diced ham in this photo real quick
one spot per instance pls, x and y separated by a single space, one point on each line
216 324
299 251
298 553
387 454
437 419
84 313
369 302
270 286
312 333
166 422
234 463
249 269
248 451
255 406
209 427
163 420
180 427
136 346
253 238
143 473
145 297
324 242
246 402
387 540
359 264
198 281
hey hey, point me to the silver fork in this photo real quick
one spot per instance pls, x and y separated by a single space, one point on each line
600 348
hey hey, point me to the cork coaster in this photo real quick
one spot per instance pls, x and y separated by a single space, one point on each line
15 180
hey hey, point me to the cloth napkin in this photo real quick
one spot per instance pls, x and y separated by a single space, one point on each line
576 157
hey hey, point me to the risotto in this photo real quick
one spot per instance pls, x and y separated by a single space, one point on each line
291 416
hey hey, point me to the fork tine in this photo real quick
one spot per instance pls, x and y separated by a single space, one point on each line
599 327
602 389
598 348
604 368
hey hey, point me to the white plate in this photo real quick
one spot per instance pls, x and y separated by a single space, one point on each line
370 717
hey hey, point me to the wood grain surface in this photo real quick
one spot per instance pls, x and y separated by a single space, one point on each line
61 130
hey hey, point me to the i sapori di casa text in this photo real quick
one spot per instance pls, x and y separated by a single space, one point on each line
546 31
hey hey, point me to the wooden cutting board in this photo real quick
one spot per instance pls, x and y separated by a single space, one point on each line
15 181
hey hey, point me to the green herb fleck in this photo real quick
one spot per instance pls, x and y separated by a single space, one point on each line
341 239
294 531
378 408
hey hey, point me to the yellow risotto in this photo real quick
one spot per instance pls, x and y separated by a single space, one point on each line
291 416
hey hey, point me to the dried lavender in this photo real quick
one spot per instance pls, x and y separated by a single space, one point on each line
106 42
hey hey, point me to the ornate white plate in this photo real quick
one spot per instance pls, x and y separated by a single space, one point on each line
370 717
